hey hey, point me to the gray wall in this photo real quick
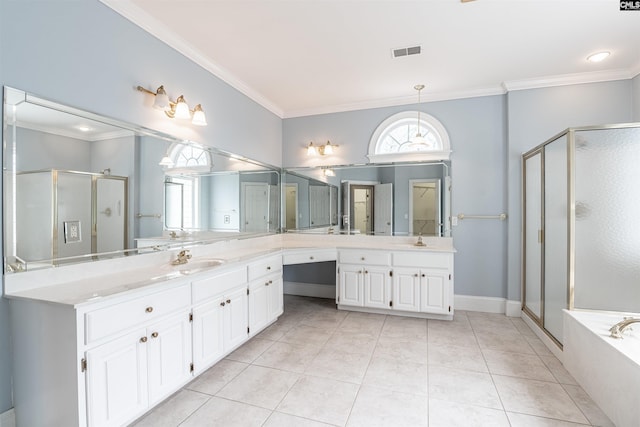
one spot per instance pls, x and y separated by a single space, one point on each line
538 114
83 54
40 150
477 129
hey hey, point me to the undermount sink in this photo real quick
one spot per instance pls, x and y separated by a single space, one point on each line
198 264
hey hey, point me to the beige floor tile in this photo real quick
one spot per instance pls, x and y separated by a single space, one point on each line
288 357
467 387
402 349
278 419
511 341
491 322
304 334
174 410
460 337
275 331
522 420
362 323
320 399
453 356
538 398
538 346
327 320
250 351
517 365
259 386
408 328
451 414
216 377
339 365
558 370
397 375
221 412
352 342
588 407
522 327
377 407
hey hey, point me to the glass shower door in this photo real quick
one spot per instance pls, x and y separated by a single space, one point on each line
533 235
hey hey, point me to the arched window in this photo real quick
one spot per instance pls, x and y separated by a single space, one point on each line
189 157
394 139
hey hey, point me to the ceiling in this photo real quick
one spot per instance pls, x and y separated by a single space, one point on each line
303 57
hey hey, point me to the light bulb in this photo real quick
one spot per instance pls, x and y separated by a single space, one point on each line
182 109
328 149
311 150
162 100
199 118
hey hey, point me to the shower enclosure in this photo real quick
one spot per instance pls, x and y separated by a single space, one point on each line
65 214
581 233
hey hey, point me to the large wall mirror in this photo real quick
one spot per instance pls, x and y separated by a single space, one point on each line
80 187
384 199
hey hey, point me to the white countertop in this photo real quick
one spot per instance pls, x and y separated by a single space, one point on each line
86 283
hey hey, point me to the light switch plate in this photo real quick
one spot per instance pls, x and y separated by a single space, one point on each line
72 232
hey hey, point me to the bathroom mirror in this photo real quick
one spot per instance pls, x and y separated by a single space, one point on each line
381 199
308 202
79 187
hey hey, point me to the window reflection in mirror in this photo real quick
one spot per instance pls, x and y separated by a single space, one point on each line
79 187
385 199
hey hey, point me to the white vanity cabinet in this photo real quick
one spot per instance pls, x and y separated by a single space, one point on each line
364 278
130 373
220 316
414 283
266 298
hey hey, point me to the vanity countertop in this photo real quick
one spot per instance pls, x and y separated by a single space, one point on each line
81 284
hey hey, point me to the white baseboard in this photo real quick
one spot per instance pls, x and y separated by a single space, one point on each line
487 305
8 418
310 290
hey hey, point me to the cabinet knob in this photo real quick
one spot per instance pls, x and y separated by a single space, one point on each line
359 271
222 303
268 283
422 274
228 301
362 259
268 267
366 272
415 275
154 335
310 257
148 309
143 339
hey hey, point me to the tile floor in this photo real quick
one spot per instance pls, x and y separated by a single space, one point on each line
317 366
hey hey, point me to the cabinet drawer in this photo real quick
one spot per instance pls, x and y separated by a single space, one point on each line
365 257
215 285
118 317
265 266
306 256
422 259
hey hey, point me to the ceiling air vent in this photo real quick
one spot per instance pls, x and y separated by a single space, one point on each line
406 51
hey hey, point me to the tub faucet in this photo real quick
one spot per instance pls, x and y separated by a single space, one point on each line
183 257
617 329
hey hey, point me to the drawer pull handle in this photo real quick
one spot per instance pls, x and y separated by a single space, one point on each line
154 335
228 301
222 303
148 309
143 339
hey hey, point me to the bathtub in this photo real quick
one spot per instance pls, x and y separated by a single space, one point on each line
608 369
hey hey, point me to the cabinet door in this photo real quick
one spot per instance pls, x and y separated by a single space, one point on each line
259 305
276 299
406 289
117 380
435 290
377 287
351 285
236 320
208 334
169 356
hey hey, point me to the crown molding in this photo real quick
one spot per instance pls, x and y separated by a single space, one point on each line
154 27
568 79
392 102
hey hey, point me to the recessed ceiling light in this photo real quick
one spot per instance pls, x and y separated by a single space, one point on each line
597 57
83 128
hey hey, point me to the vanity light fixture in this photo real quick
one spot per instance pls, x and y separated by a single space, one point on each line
598 56
178 109
323 150
418 141
329 172
166 161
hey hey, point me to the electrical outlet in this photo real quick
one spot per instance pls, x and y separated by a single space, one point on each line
227 219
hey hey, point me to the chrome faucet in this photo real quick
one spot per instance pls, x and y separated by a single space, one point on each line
183 257
617 329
